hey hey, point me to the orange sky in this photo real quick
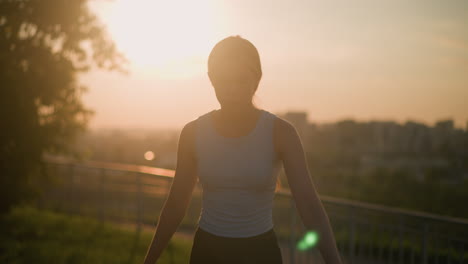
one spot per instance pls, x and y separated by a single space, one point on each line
394 60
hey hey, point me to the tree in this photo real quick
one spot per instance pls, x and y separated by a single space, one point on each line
44 45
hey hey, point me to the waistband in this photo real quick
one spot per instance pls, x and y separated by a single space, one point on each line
266 235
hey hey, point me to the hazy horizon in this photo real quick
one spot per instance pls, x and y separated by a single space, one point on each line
319 122
366 60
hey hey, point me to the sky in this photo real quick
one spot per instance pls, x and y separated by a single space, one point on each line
365 60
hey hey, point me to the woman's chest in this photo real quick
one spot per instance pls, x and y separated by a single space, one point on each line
251 166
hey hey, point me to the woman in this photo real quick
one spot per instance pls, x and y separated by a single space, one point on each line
236 153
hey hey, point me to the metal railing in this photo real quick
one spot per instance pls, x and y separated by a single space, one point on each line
365 233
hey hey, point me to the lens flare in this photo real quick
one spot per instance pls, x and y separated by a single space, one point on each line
149 155
309 241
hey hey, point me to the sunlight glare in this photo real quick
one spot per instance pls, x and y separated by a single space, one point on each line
169 38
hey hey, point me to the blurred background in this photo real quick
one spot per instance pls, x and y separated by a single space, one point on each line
94 95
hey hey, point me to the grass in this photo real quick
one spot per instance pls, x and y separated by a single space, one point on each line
29 235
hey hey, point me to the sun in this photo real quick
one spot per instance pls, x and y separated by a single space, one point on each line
169 38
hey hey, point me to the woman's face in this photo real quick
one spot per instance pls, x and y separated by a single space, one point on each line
234 86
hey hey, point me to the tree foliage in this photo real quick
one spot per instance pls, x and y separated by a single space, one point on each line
44 45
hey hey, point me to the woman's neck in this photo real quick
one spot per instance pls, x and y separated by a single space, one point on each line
238 112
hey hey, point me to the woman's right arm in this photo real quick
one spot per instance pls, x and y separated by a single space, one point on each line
303 190
179 196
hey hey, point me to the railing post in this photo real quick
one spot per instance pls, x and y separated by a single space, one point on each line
138 209
352 234
42 189
448 259
370 249
102 180
139 200
436 248
462 253
292 236
424 251
380 241
400 239
413 254
70 189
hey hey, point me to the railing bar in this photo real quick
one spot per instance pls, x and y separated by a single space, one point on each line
327 199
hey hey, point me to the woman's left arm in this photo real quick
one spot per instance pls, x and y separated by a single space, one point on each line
308 203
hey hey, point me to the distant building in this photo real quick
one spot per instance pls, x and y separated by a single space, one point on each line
299 120
414 137
445 125
443 134
385 134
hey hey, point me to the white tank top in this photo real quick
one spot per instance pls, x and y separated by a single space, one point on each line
238 178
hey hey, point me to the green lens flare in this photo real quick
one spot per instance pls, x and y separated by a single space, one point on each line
309 241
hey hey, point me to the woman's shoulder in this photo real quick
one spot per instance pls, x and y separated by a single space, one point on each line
188 133
282 126
190 127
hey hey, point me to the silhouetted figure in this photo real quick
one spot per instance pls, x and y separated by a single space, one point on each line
236 153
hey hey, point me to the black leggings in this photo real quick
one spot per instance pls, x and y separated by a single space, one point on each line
211 249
